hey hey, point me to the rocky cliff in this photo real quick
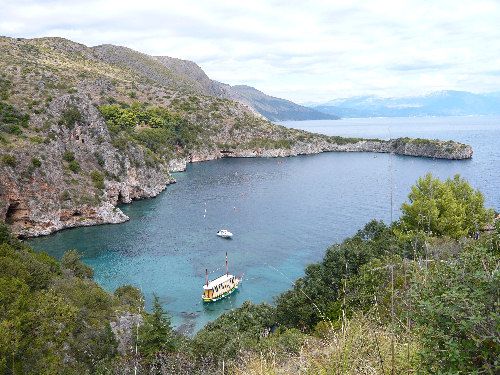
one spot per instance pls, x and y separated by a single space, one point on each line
83 129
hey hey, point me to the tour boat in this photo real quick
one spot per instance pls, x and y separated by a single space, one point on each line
221 287
224 233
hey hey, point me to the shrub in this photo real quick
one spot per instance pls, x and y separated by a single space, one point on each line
65 196
233 331
37 139
5 86
99 158
11 115
14 129
97 179
130 296
153 127
48 316
71 261
36 162
268 143
456 314
9 160
74 166
70 116
68 156
323 282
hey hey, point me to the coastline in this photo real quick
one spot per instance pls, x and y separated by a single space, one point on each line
109 213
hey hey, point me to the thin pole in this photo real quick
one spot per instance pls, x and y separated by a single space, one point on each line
391 182
407 289
206 276
390 172
227 268
137 339
392 319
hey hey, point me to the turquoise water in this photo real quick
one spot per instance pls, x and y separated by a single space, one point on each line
284 213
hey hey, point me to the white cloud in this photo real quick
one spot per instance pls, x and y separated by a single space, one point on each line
300 50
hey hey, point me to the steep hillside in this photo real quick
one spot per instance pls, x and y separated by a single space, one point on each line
190 71
186 75
274 109
83 129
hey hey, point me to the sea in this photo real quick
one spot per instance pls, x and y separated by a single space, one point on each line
284 213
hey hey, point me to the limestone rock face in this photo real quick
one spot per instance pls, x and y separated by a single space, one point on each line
432 149
39 201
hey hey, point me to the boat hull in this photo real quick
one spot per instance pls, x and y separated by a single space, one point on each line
222 296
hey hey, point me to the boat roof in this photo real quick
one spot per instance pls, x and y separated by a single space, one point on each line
217 281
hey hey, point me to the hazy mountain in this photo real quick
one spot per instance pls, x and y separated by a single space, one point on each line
442 103
275 108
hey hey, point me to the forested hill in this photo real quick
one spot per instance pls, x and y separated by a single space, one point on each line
418 296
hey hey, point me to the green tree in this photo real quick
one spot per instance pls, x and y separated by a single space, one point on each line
71 261
156 334
315 297
451 208
130 296
455 312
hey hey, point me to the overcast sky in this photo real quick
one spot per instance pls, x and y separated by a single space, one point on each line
299 50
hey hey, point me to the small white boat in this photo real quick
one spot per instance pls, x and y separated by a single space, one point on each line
224 233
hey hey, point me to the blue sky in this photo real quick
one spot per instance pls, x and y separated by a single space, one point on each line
300 50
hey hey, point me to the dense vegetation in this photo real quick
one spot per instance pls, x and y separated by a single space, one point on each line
156 128
403 298
53 317
450 208
12 120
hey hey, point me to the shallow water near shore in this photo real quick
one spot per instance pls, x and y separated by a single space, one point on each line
283 212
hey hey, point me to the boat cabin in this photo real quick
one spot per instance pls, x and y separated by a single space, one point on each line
221 287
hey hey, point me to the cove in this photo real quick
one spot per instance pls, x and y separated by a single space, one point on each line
283 212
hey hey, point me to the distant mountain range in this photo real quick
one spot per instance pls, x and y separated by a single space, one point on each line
441 103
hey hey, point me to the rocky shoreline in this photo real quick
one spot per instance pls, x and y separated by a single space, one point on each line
136 185
401 146
40 204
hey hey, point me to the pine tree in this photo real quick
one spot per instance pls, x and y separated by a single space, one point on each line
156 334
